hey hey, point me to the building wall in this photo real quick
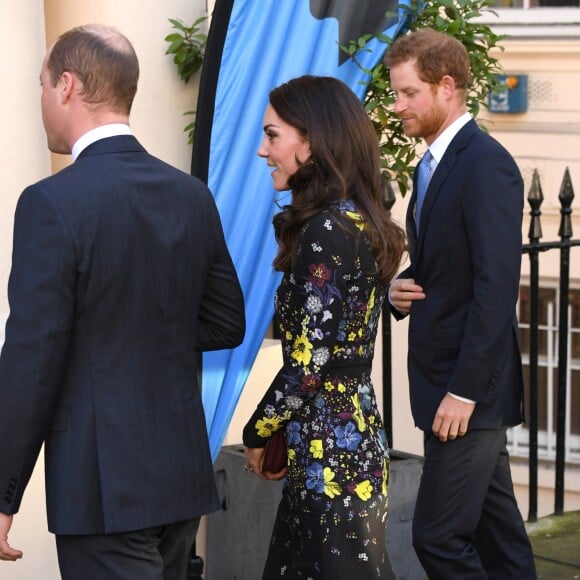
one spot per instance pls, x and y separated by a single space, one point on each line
546 138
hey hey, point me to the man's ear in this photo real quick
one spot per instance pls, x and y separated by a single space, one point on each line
447 83
66 85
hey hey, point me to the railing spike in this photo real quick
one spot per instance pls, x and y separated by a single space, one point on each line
566 196
535 199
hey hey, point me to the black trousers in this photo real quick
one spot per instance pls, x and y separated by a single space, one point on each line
157 553
467 524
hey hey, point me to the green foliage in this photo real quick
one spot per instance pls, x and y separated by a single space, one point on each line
456 18
187 46
190 127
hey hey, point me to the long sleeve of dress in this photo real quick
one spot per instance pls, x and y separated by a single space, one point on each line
323 318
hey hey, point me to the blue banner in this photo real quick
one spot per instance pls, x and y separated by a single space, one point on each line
254 46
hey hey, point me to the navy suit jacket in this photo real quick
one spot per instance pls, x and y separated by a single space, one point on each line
120 274
463 338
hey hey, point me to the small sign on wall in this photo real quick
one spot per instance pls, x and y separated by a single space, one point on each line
511 97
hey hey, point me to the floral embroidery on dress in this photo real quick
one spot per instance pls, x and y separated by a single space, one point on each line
327 311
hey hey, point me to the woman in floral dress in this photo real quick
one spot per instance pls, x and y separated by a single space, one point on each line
338 250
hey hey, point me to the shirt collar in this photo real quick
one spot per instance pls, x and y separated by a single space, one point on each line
98 133
439 146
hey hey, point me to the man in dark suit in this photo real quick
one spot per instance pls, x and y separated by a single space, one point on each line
461 289
120 274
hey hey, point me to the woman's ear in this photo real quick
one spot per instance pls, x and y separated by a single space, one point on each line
305 152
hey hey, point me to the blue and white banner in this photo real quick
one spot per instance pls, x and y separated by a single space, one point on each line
254 46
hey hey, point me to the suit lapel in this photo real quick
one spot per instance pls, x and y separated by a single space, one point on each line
444 167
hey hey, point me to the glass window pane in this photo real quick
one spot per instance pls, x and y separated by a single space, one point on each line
542 397
554 3
575 403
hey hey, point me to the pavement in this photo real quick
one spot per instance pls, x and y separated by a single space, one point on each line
556 545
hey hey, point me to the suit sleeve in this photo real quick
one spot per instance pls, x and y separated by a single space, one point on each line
492 210
41 293
397 314
222 322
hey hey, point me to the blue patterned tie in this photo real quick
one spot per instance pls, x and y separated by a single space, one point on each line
423 178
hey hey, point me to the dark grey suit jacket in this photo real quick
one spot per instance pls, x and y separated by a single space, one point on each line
463 338
120 274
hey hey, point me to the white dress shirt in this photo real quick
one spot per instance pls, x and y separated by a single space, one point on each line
98 133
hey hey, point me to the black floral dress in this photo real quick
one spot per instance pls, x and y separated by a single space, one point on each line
331 522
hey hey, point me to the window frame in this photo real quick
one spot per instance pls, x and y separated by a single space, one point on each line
518 437
534 22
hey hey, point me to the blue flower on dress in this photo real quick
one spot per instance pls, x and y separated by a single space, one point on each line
364 395
346 204
293 433
347 437
383 441
315 477
319 402
341 335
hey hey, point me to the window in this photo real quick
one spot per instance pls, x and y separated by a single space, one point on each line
537 3
548 374
535 18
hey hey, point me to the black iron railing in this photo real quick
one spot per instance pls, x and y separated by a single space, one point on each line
533 249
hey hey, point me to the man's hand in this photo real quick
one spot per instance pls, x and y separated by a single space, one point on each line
6 552
403 292
452 418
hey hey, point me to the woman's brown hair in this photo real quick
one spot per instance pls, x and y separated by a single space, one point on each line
344 162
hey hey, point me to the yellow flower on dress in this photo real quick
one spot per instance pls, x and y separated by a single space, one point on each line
331 488
358 414
302 350
329 386
341 388
370 306
288 335
385 476
291 454
266 427
316 448
351 336
364 489
358 219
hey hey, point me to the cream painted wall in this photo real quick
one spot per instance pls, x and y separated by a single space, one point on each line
157 117
157 121
23 159
23 154
547 136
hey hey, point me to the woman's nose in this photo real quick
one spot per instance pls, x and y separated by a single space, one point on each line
262 151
